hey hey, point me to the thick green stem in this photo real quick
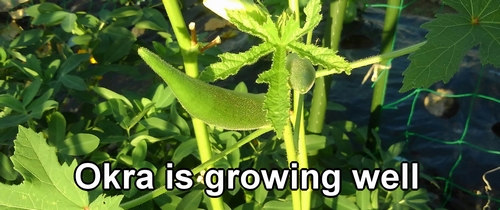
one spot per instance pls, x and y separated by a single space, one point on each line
322 85
191 65
291 155
198 169
374 59
388 39
299 128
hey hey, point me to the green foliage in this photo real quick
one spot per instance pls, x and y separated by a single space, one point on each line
63 55
47 184
259 24
450 37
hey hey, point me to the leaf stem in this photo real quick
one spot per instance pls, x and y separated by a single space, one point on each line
375 59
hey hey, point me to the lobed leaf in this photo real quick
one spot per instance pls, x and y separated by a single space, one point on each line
321 56
450 37
277 101
231 63
256 24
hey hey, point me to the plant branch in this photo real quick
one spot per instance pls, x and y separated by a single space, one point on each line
375 59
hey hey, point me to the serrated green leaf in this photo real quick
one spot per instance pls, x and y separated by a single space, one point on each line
450 37
321 56
73 82
277 102
231 63
256 24
292 30
313 15
79 144
106 203
47 184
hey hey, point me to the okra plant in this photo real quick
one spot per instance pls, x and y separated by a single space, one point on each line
144 132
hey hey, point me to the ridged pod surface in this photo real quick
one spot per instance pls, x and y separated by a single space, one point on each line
302 73
213 105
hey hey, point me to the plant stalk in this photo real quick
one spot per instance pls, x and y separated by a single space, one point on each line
375 59
291 156
388 40
191 65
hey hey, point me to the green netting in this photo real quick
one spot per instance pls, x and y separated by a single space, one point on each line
461 142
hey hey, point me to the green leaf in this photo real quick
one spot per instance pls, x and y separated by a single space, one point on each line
69 22
72 62
340 202
73 82
291 29
416 199
140 152
313 16
159 127
79 144
256 24
191 201
277 102
278 205
13 120
7 168
27 38
394 150
126 11
231 63
363 198
109 94
179 121
50 18
139 116
260 194
108 203
119 112
49 7
57 128
12 103
156 17
321 56
47 184
30 92
234 157
184 149
163 96
450 37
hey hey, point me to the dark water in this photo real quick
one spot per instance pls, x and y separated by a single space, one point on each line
437 158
